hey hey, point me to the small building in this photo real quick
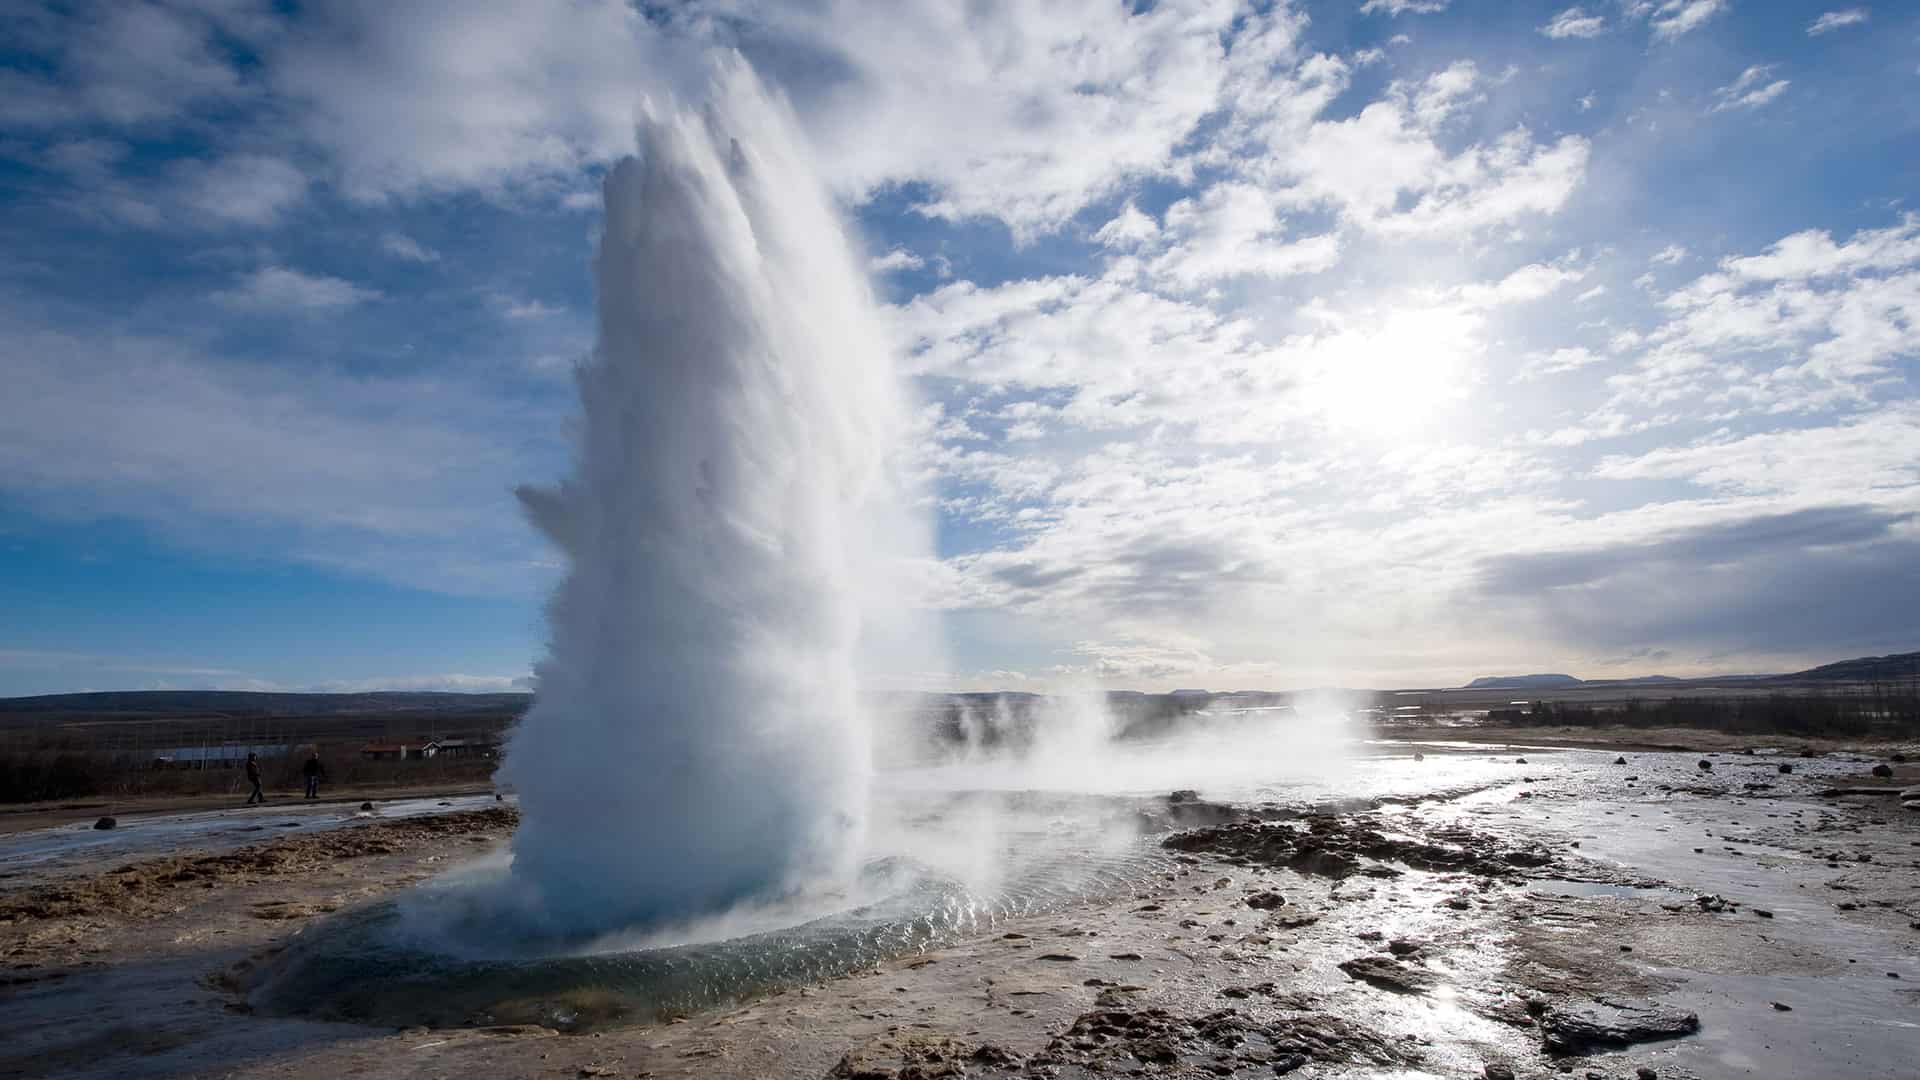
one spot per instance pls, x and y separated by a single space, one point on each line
463 747
403 750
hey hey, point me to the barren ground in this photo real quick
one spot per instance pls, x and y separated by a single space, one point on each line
1522 926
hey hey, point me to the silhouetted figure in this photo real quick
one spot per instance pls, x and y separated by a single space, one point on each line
253 777
313 771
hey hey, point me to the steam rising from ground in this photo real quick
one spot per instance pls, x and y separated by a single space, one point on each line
697 741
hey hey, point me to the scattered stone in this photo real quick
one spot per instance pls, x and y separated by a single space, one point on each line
1266 901
1780 1007
1620 760
108 822
1058 957
1785 768
1714 903
366 806
1883 770
1580 1029
920 1057
1403 947
1124 956
1519 761
1705 765
1763 913
1644 1073
1495 1071
1333 846
1897 756
1115 1040
1184 795
1387 974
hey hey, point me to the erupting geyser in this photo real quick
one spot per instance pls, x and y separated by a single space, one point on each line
697 740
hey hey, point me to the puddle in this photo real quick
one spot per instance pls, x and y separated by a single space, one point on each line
1603 890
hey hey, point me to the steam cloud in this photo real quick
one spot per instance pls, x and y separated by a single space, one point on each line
697 740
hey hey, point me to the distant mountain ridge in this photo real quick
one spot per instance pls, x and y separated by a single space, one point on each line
1859 669
1524 682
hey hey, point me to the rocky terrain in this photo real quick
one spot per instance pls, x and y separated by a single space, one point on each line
1594 914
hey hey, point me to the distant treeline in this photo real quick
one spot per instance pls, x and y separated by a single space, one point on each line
1890 710
59 767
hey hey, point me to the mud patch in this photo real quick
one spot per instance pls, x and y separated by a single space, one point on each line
1339 847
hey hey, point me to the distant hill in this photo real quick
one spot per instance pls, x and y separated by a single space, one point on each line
1861 669
1523 682
178 703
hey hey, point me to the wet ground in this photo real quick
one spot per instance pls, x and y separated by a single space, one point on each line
1453 912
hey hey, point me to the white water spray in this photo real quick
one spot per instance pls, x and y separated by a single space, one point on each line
696 741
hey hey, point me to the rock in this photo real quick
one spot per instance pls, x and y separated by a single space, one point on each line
1184 795
1644 1073
1419 757
1388 974
1580 1029
1763 913
1705 765
921 1056
107 823
1519 761
497 797
366 806
1496 1071
1059 957
1897 756
1266 901
1785 768
1883 770
1808 753
1779 1007
1403 947
1620 760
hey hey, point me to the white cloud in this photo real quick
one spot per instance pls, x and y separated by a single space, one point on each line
246 189
521 308
1671 255
1556 362
402 246
280 288
1234 230
1674 18
1403 7
1750 90
897 259
1130 228
1808 326
402 478
120 64
1835 20
1872 458
1574 23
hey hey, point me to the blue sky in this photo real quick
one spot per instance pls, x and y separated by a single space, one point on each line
1258 344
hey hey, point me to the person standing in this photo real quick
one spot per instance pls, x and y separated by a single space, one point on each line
253 777
313 771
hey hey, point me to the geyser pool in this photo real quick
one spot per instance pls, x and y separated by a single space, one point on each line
696 741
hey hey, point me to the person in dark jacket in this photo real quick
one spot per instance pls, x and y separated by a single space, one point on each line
313 771
253 777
